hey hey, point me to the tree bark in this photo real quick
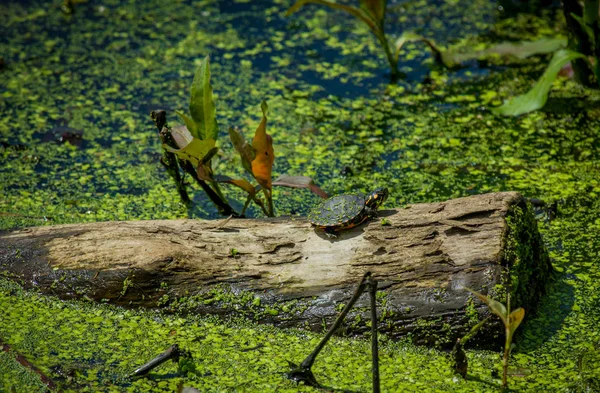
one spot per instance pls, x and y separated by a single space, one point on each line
285 272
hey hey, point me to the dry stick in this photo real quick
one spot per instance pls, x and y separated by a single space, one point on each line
160 119
304 373
27 364
310 359
374 347
223 207
169 160
172 352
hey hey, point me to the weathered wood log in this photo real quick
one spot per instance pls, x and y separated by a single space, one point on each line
284 272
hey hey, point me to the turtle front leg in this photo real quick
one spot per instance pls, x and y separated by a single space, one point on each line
330 232
371 213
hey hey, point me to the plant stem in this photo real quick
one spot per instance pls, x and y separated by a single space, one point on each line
591 17
505 360
170 160
215 186
508 334
590 11
223 207
578 41
269 198
262 205
388 53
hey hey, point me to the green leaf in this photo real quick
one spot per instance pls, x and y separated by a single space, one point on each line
586 28
241 183
189 124
536 97
195 151
357 12
376 9
495 306
245 150
202 107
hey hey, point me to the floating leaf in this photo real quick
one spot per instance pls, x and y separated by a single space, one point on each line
241 183
536 97
202 107
246 151
495 306
520 50
300 182
525 49
194 151
357 12
262 143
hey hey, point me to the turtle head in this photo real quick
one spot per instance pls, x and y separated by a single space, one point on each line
376 198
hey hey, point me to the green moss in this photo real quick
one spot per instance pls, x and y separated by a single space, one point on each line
526 258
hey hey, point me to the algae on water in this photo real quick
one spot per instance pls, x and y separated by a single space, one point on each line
100 71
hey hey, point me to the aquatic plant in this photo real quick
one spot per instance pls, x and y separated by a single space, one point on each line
584 54
511 321
191 148
372 13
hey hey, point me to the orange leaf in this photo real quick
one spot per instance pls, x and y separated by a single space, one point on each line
262 143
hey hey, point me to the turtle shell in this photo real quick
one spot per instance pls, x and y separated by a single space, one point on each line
339 211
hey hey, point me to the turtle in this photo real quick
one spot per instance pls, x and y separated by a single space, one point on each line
346 211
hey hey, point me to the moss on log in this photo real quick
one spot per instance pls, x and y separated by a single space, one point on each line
284 272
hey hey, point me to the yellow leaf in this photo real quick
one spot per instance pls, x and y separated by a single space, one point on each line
515 318
194 151
495 306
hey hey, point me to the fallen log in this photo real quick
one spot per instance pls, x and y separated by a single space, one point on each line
283 271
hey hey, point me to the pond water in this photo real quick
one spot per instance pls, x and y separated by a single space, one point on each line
77 144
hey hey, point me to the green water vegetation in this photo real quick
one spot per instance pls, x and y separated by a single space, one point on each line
584 39
303 372
194 146
76 147
371 12
511 321
584 36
